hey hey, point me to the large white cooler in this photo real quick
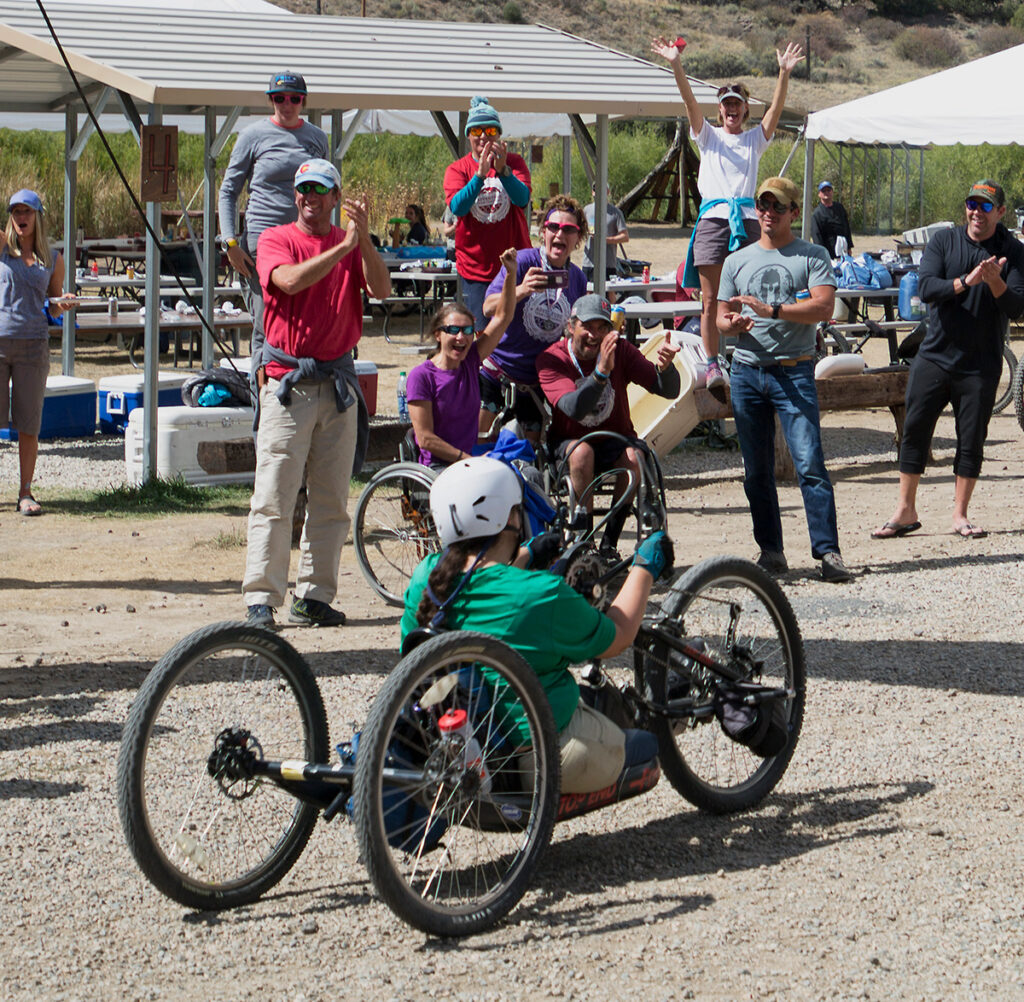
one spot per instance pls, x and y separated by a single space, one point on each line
662 423
181 431
120 395
69 410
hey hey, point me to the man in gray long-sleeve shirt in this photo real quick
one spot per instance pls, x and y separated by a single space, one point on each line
266 156
972 278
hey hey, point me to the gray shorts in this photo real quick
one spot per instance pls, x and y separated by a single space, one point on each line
711 240
24 366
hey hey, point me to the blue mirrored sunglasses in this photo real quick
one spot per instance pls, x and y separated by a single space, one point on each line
973 205
466 329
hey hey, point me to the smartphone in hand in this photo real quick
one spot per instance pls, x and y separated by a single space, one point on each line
557 278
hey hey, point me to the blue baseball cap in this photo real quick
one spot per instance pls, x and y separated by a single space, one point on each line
319 171
287 81
26 197
824 185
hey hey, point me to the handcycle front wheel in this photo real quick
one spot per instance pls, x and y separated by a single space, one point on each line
742 618
451 849
1007 380
393 529
203 833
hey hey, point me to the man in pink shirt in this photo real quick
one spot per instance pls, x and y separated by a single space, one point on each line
312 415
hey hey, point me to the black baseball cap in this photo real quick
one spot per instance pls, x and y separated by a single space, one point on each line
287 82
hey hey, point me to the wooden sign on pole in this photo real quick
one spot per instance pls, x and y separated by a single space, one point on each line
159 163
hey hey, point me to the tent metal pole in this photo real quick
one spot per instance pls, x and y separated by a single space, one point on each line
805 221
67 342
567 164
920 189
337 125
151 335
600 248
892 183
209 230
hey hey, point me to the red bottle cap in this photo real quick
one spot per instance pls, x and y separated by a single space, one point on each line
453 720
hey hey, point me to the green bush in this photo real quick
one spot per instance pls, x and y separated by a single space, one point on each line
829 35
512 13
930 47
1017 18
880 29
903 9
716 63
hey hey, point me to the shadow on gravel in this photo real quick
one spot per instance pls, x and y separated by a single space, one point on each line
31 789
227 586
983 667
693 844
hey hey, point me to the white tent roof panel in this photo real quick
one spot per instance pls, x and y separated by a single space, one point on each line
978 102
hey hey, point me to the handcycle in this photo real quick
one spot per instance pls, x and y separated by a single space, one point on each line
453 783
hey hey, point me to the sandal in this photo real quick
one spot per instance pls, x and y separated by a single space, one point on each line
28 505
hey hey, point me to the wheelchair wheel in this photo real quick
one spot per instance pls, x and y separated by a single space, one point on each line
744 621
1007 380
451 847
393 530
205 837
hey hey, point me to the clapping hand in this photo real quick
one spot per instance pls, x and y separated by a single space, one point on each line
606 356
989 271
509 258
358 216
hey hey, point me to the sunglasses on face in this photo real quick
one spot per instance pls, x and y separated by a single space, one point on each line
973 205
771 205
308 187
292 98
553 227
490 131
466 329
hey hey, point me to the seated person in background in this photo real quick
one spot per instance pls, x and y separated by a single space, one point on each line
418 232
616 235
584 378
477 508
542 309
444 391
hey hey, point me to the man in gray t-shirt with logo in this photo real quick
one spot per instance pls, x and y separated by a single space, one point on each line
771 297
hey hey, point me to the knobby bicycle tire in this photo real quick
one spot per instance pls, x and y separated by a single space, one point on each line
204 840
708 768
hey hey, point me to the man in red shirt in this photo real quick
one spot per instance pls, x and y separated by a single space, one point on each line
584 378
312 414
488 192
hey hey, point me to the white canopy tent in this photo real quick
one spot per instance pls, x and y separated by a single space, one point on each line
978 102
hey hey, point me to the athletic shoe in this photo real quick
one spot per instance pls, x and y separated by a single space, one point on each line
833 569
311 612
773 562
715 376
260 615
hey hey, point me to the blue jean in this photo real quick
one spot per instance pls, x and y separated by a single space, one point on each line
472 296
758 394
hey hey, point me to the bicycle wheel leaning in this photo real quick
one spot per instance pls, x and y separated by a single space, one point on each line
451 828
204 835
1007 381
392 528
744 620
1017 393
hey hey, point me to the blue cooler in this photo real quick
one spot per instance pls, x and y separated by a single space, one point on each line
69 410
120 395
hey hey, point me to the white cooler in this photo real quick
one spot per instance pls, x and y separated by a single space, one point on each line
664 423
180 431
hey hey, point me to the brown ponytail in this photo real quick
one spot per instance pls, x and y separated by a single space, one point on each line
445 576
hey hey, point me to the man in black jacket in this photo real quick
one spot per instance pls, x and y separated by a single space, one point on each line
830 221
972 279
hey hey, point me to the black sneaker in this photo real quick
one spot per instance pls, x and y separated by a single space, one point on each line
773 562
260 615
833 569
311 612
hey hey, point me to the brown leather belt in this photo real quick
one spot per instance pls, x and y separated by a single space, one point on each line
794 361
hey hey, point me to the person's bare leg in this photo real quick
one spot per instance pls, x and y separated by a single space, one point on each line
581 473
28 451
962 491
906 505
710 276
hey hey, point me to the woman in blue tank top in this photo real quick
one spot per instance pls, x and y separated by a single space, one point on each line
28 276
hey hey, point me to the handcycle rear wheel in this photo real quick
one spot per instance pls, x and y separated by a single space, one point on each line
445 854
392 528
744 619
204 836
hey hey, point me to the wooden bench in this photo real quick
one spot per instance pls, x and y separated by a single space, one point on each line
881 388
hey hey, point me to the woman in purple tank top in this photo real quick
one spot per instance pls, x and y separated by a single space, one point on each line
444 391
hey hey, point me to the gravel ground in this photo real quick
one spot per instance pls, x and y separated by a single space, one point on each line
886 865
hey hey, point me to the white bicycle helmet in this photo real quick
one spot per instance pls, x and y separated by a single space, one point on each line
473 499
